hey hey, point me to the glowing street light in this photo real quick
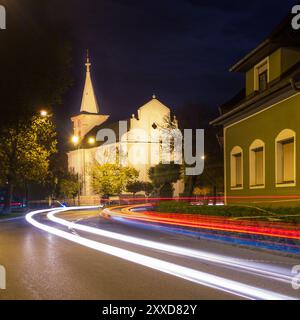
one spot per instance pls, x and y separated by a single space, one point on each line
91 140
43 113
75 139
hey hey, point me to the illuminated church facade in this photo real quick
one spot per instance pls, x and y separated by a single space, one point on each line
137 135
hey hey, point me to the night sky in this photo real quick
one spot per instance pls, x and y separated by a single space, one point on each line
180 50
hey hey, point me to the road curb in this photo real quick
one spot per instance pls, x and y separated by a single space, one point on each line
11 219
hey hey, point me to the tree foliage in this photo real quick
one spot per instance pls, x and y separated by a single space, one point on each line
135 187
36 145
162 175
68 186
111 179
166 190
198 117
25 152
147 188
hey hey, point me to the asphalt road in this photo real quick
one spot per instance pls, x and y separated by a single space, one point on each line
40 265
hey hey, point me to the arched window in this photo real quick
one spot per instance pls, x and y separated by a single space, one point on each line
285 157
257 164
236 168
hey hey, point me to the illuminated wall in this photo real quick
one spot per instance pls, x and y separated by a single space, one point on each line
265 125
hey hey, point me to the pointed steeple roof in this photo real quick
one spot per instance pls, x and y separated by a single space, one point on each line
89 102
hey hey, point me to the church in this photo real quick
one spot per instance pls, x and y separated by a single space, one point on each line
139 138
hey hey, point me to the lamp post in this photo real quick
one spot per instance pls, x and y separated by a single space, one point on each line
77 142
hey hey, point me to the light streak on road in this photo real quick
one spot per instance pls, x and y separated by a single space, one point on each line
278 230
195 276
271 236
258 269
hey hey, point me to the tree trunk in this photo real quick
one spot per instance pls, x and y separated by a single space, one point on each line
190 185
8 197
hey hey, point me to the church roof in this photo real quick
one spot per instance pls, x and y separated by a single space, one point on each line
89 102
154 102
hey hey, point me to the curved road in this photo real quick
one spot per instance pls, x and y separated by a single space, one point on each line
41 265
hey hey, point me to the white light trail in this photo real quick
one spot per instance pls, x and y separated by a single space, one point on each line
192 275
253 267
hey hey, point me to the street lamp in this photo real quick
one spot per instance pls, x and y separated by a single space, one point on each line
91 140
75 140
43 113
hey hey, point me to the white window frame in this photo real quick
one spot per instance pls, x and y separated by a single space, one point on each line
266 62
284 135
256 144
235 151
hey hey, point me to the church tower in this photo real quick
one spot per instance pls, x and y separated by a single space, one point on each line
89 115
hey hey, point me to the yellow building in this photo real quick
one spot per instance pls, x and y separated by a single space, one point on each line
138 136
261 123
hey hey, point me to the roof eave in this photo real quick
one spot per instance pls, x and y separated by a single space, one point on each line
223 119
239 65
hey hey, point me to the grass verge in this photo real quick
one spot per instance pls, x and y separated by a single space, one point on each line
11 215
264 213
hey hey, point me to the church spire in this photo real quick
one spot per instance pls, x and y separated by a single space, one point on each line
87 64
89 102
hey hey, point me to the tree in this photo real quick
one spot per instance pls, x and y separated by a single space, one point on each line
32 78
25 152
147 188
198 117
68 186
163 175
167 190
135 186
58 170
111 179
198 191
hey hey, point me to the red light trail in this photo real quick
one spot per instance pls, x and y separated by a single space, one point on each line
270 229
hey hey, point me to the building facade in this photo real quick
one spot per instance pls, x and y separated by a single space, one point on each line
137 138
261 125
